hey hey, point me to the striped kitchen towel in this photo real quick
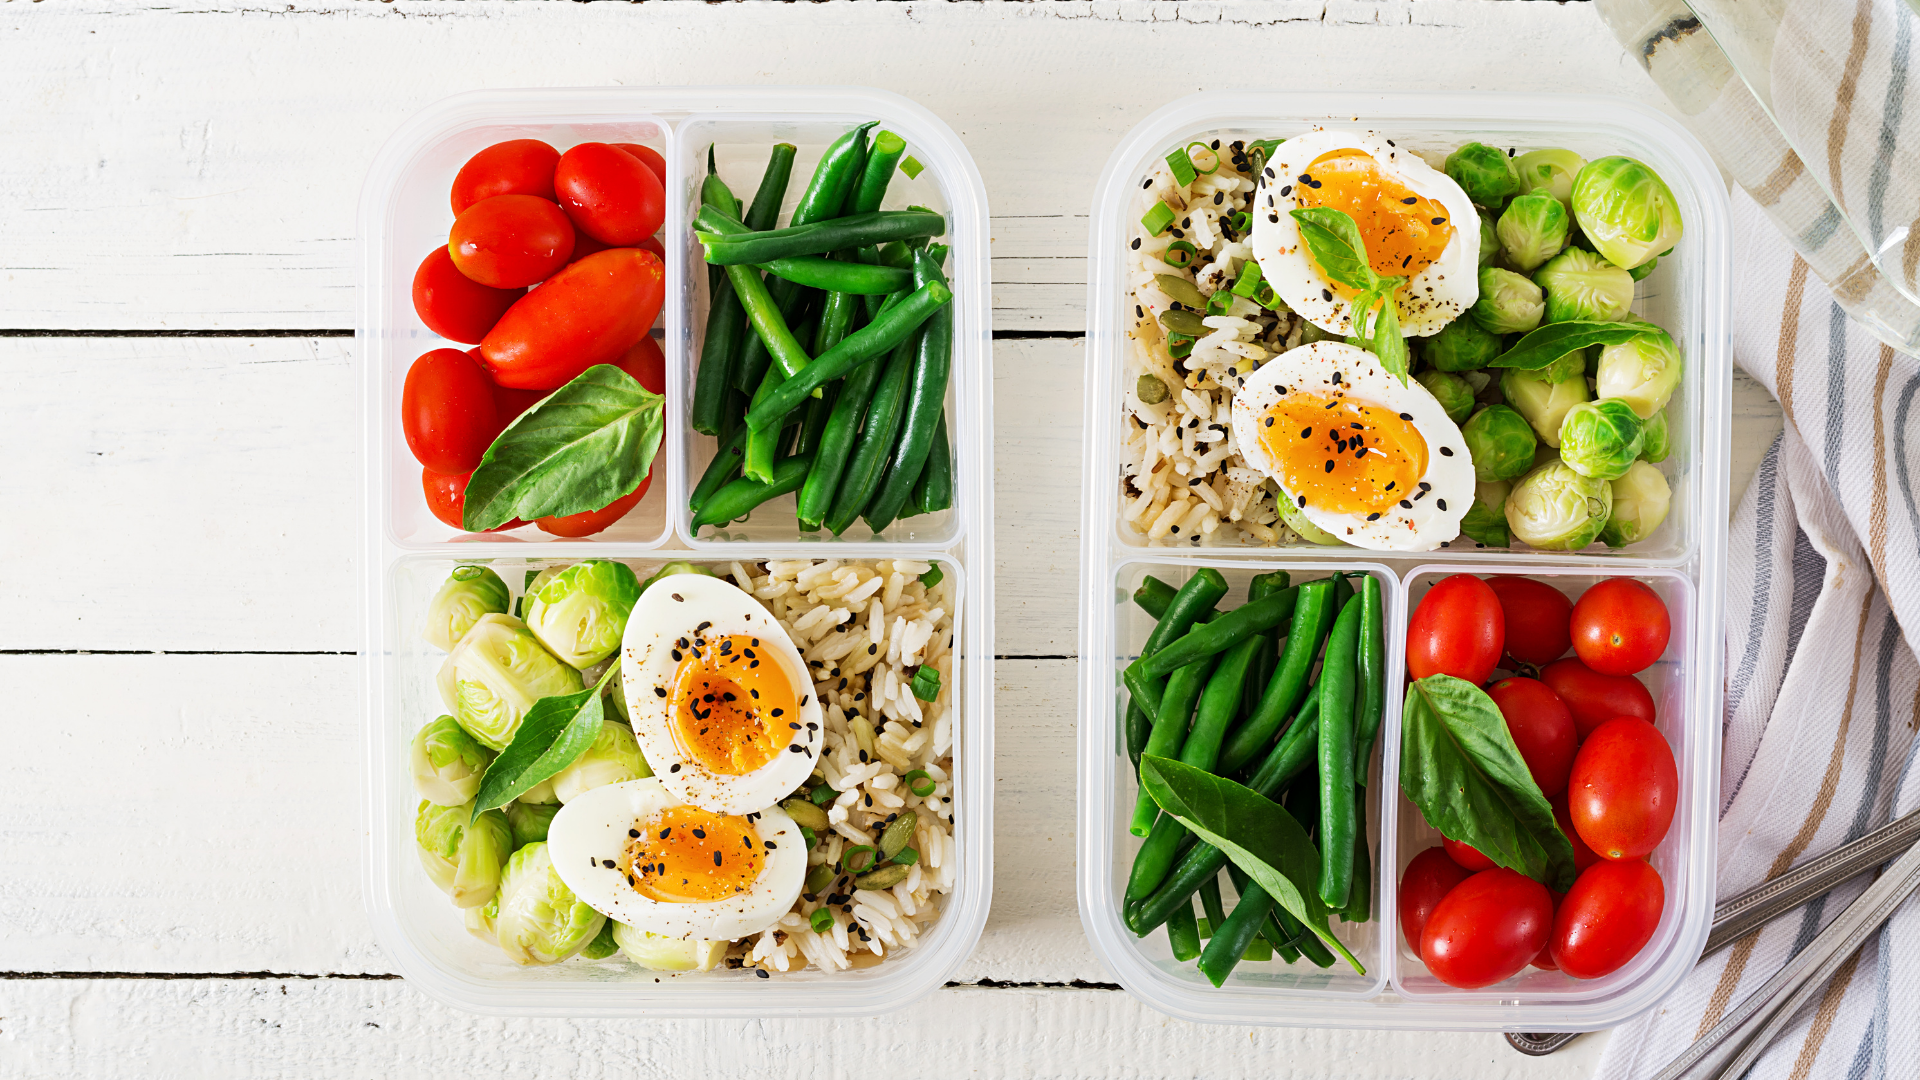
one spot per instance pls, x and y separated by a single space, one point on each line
1822 686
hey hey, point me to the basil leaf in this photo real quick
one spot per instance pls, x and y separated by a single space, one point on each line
1387 343
590 442
1459 765
1335 243
1551 342
552 734
1255 832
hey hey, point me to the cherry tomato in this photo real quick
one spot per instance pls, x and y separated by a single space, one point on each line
588 522
510 403
584 245
648 156
589 313
1465 855
514 167
1542 729
1619 626
646 363
447 411
1488 929
447 498
1624 788
1428 878
1583 855
1536 616
511 241
610 194
1608 917
454 305
1594 698
1458 630
1544 958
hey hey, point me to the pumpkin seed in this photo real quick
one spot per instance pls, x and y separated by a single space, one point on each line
897 834
1179 288
818 878
805 814
1150 389
1188 323
862 733
884 878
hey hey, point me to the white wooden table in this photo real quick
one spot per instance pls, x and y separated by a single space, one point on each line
179 750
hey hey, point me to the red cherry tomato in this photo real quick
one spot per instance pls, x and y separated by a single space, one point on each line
610 194
1429 877
514 167
648 156
589 313
1465 855
588 522
1608 917
1542 729
1544 958
1594 698
1458 630
511 241
1623 790
511 403
1620 626
584 245
646 363
1536 616
1583 855
1488 929
447 498
447 411
454 305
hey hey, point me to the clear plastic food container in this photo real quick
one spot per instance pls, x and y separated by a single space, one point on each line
404 212
1683 561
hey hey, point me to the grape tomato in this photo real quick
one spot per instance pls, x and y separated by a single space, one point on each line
1542 729
511 241
514 167
1428 878
454 305
1536 618
1488 929
1593 698
1624 789
1457 630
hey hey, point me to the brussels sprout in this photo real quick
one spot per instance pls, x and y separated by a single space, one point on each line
1582 285
470 592
480 920
580 613
1297 521
1573 363
540 794
1310 333
1500 443
1542 401
495 674
1626 210
602 945
447 763
1532 229
1508 304
615 699
1451 391
462 857
1657 446
1489 239
1486 520
1642 372
1461 345
613 758
1550 171
1601 438
657 953
1558 509
672 568
530 822
1478 380
541 921
1640 501
1484 172
535 580
1639 273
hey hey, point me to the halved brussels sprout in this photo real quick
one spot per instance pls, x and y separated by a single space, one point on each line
1557 509
1582 285
462 857
580 613
541 921
657 953
1484 172
1643 372
1297 521
1640 502
614 758
1485 522
1542 401
1626 210
616 694
1639 273
1601 438
602 945
495 674
1500 442
672 568
1551 171
447 763
1461 345
540 794
530 822
1573 363
1489 239
1532 229
1508 304
469 592
480 920
1451 391
1657 446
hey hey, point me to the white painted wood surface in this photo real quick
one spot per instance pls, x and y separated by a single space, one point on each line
191 809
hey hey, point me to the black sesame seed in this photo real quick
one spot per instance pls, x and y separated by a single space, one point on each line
608 863
716 858
1441 503
1329 464
675 767
1219 197
1136 243
796 748
1336 378
1285 191
678 597
1355 425
660 691
1406 416
1326 294
1373 517
1405 505
1424 486
1411 199
1269 422
1439 221
1390 484
1305 433
633 833
1303 502
1446 451
1147 183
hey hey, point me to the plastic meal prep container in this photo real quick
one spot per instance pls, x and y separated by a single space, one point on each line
1683 561
404 212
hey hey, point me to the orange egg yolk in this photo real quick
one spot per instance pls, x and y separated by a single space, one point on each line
1404 231
686 855
733 707
1343 456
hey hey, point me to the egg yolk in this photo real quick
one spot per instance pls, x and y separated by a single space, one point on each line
1344 456
733 707
1404 231
686 855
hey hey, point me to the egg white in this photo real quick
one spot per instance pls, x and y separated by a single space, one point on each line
1433 298
1431 515
670 611
589 834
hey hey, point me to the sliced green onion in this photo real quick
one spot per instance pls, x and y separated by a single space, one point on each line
808 835
1206 160
1157 219
926 683
823 795
1269 299
1180 254
932 577
1241 221
1182 167
911 166
907 857
1219 302
846 860
1179 345
821 920
1248 284
914 781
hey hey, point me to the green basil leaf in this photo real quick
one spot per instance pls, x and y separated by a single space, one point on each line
1335 243
590 442
552 734
1255 832
1459 765
1386 343
1551 342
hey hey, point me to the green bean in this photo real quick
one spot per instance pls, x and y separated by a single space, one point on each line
1210 903
934 492
1195 598
1312 618
814 426
1153 596
1342 590
819 237
824 272
1336 757
1305 940
769 323
726 322
863 469
893 326
1230 940
1360 901
1138 727
1219 704
1281 941
893 254
1169 733
1183 933
833 179
1373 676
1155 857
764 211
738 498
837 318
763 445
882 157
1222 633
926 404
836 445
724 466
1267 658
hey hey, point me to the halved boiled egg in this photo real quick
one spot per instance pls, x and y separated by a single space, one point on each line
1415 220
641 856
720 700
1372 460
